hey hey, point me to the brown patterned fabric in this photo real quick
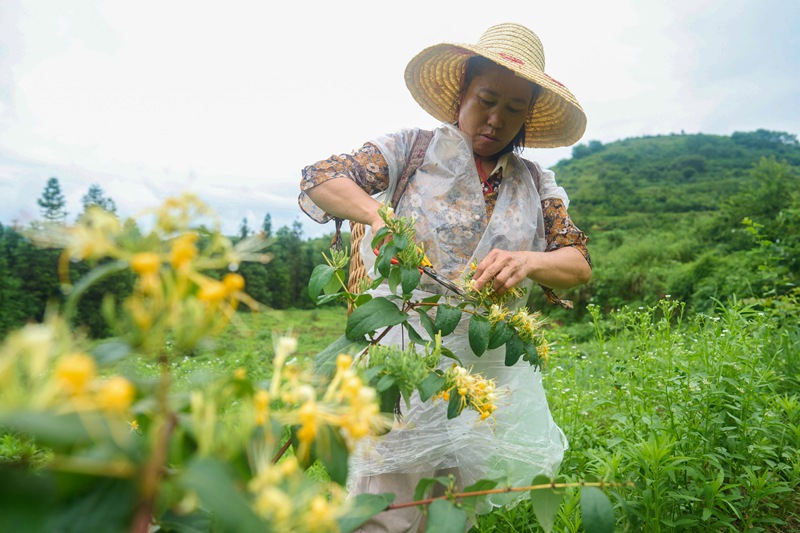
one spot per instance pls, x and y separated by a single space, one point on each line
368 168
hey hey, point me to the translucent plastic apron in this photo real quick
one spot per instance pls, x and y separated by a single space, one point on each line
446 199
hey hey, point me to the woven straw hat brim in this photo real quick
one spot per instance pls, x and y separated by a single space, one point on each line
434 79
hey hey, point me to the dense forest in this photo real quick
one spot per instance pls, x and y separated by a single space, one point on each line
697 217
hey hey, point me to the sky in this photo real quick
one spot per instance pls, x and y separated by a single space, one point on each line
230 100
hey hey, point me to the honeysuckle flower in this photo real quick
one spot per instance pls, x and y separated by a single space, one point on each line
145 263
261 402
233 282
183 251
116 394
75 371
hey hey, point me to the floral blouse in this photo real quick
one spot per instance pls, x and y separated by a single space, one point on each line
368 168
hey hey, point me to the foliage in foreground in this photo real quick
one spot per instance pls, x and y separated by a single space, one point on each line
125 453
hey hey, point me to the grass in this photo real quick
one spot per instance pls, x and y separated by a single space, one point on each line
701 412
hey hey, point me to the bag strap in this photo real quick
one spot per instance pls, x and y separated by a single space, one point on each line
415 158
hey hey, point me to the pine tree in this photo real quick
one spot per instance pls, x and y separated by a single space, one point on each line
96 196
244 229
266 226
53 202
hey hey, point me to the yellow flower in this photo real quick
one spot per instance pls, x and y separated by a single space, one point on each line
212 291
274 504
343 362
233 282
261 401
145 263
117 394
183 250
321 515
308 414
75 371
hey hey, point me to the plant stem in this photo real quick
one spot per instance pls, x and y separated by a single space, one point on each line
153 470
600 484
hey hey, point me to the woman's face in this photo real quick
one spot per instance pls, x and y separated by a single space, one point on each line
493 109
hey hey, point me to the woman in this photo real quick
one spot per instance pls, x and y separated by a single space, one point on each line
473 198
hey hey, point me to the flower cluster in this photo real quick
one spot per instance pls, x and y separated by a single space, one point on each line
175 296
283 496
346 403
404 245
474 391
44 367
486 297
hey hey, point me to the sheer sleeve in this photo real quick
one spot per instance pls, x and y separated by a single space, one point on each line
366 167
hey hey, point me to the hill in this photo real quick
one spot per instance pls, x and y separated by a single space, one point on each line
693 216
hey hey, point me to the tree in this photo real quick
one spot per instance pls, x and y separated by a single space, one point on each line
266 226
244 229
53 202
96 196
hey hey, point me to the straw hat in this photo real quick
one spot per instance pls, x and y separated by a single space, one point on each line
434 78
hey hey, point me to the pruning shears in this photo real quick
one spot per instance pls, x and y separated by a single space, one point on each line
426 267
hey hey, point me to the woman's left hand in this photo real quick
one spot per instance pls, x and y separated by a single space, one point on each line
504 269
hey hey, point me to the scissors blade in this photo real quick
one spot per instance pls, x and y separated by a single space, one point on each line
444 282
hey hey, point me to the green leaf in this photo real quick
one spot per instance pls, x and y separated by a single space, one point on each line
454 405
322 300
394 279
106 506
479 330
400 242
447 352
432 299
424 486
410 278
447 318
444 517
501 332
58 430
386 381
514 349
28 499
333 454
481 484
325 361
320 276
596 511
196 522
363 507
214 485
373 315
379 236
335 284
545 503
110 350
413 335
432 384
384 261
388 399
426 322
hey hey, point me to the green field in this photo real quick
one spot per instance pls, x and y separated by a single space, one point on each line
702 413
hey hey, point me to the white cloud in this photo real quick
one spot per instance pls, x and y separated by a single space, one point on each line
149 98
